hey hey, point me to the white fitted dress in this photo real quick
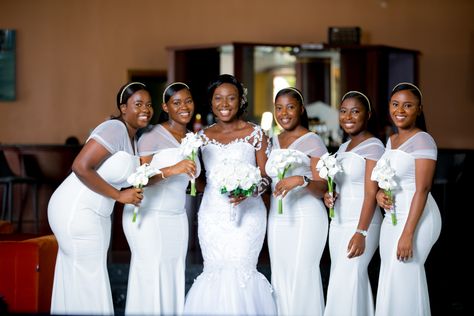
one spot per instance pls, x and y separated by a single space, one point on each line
402 288
349 291
80 220
230 283
296 238
158 239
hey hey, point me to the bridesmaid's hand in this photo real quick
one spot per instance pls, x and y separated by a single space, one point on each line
286 185
131 196
328 200
356 246
383 200
405 247
185 166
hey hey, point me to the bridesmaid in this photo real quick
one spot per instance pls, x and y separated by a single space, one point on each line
404 247
159 238
79 210
354 231
296 238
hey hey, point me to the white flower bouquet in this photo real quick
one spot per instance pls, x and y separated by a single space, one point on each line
189 147
280 163
384 174
139 179
328 166
236 178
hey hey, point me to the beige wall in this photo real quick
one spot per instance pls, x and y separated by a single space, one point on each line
73 55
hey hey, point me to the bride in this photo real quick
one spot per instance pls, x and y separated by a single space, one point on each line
230 283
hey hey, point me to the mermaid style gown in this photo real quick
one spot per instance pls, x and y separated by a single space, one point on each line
402 288
158 239
349 290
230 283
296 238
80 220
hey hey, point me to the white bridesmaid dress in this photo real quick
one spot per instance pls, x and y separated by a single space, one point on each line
296 238
80 220
349 291
402 288
230 283
158 239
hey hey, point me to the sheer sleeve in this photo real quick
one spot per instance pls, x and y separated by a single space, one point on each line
312 145
371 149
421 146
154 140
112 135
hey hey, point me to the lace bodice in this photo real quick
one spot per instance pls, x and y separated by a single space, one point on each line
244 149
226 243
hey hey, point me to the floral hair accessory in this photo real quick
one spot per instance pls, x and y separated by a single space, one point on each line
244 95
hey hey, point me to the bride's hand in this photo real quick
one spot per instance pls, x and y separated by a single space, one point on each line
236 200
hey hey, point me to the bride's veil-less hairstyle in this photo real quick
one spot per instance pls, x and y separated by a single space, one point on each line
298 96
407 86
226 78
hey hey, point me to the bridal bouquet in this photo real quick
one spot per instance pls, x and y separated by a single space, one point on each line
139 179
189 147
328 166
280 163
384 174
237 178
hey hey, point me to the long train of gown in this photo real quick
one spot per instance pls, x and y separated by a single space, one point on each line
80 220
349 291
158 242
402 288
230 283
296 238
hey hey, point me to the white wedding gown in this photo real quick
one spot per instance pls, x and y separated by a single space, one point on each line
402 288
230 283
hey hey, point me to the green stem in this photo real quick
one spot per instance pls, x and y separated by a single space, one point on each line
135 209
135 212
193 188
392 211
280 200
193 183
331 191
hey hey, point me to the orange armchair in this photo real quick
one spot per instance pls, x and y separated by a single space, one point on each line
27 272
